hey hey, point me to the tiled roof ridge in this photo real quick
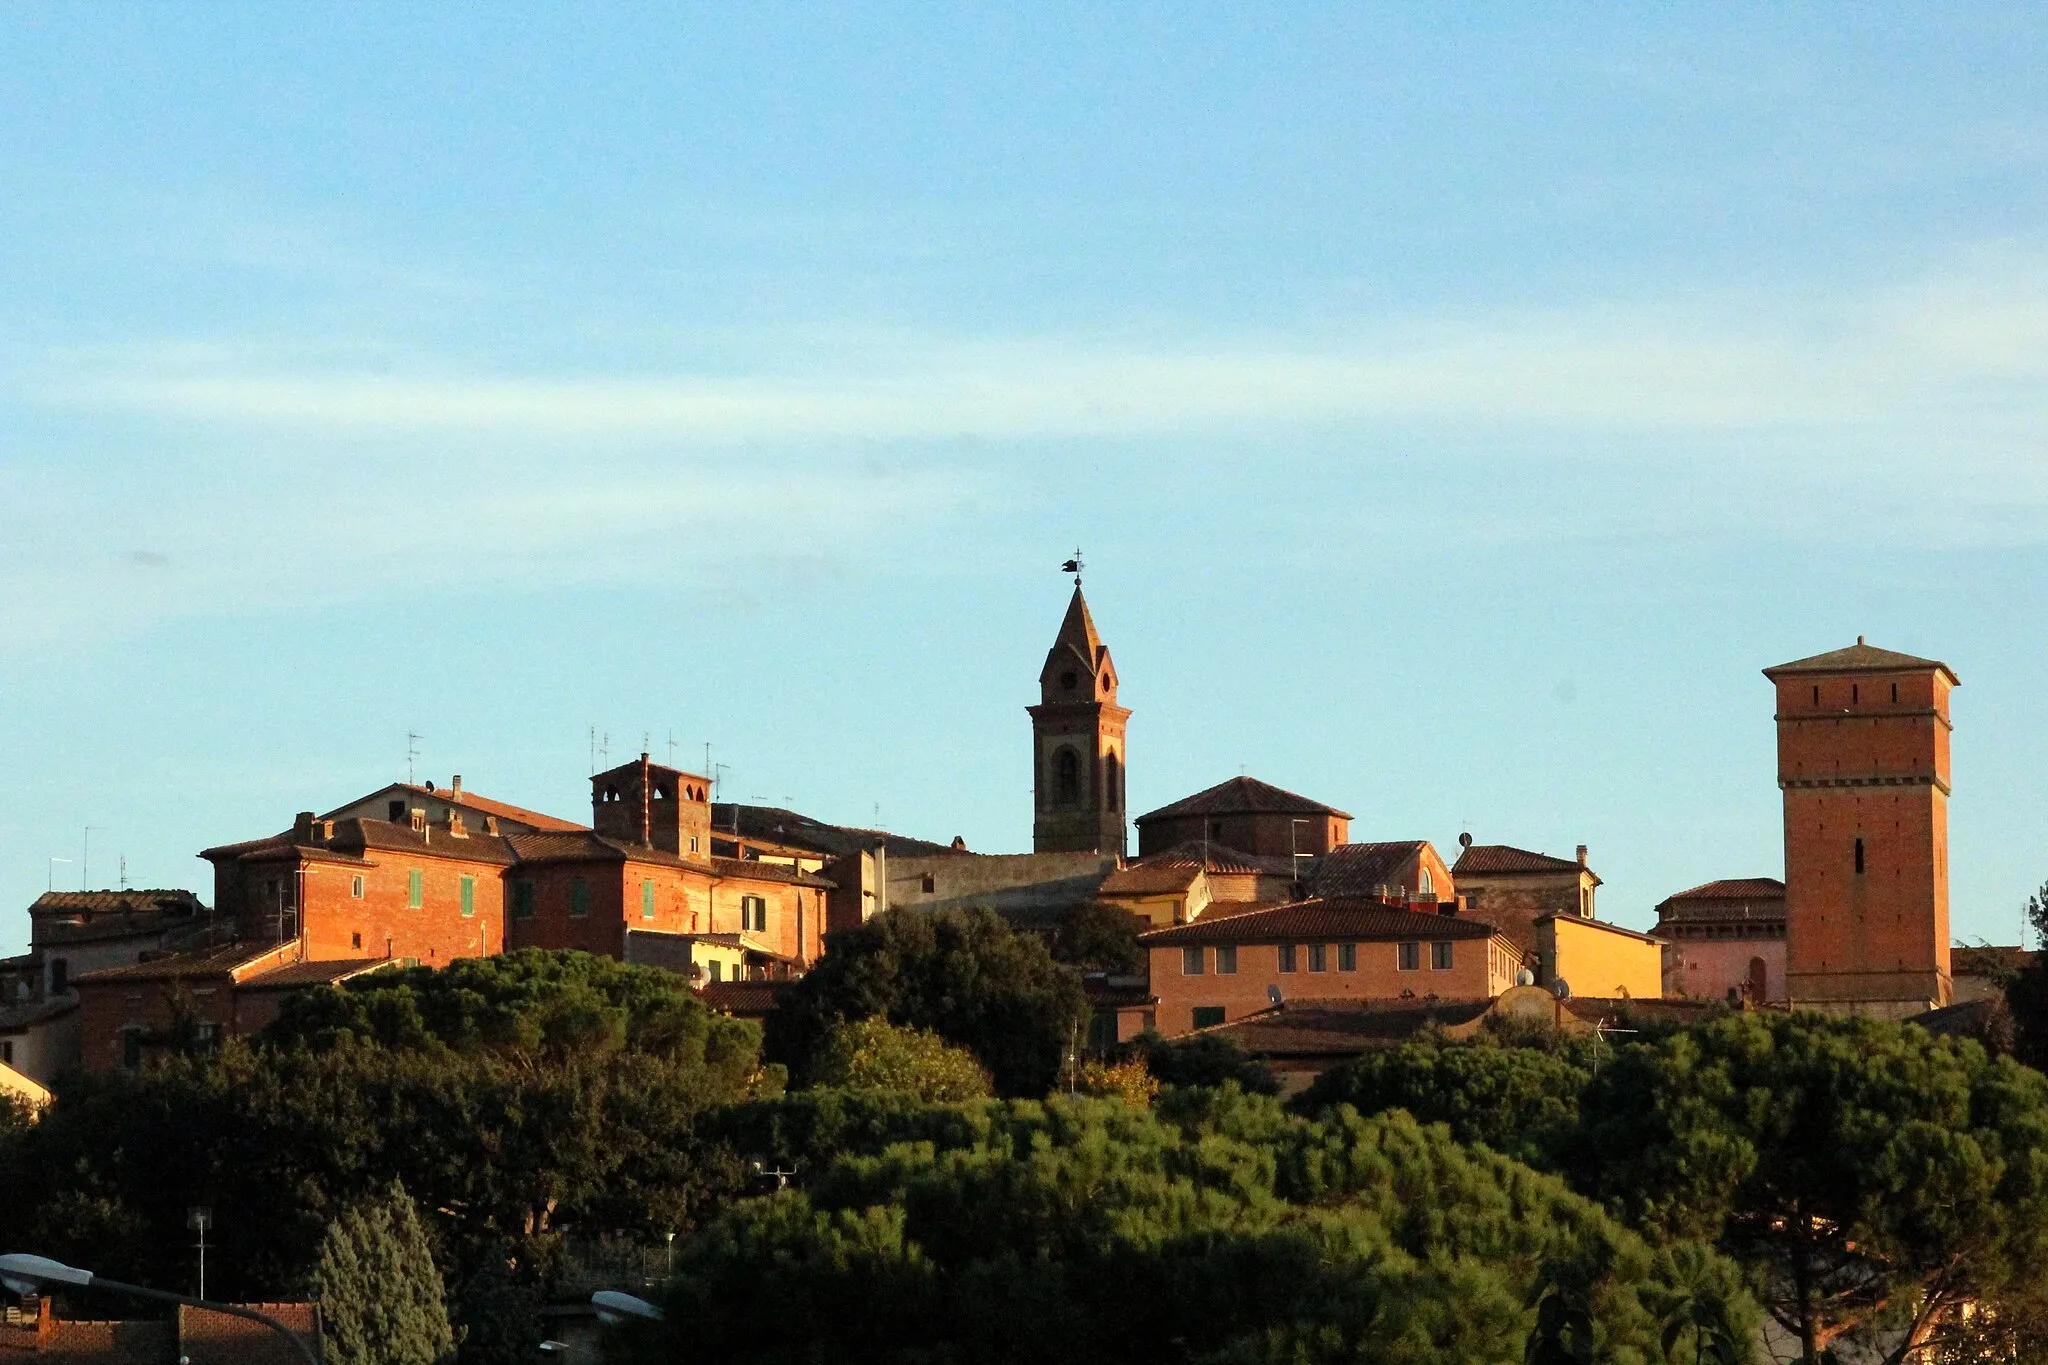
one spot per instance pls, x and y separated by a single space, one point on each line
1859 658
1242 795
1503 858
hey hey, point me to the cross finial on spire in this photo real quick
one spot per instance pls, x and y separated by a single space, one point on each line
1074 566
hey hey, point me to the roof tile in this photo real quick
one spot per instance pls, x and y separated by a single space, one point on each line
1243 796
1332 919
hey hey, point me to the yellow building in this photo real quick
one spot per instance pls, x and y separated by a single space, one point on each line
1598 960
1162 895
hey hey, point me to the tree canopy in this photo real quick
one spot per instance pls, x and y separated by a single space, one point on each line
1213 1228
381 1299
874 1054
1098 937
963 974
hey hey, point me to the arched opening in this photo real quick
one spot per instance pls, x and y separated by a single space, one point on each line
1066 782
1112 783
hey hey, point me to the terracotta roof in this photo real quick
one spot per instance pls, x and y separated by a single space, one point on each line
91 903
1599 1009
293 975
1243 796
1739 898
1361 869
750 870
1321 1029
585 846
66 917
743 999
355 837
1077 643
789 829
1330 919
1484 859
1216 858
469 800
220 961
1969 1019
1159 880
1860 658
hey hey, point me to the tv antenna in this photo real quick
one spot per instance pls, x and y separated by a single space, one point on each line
412 757
124 872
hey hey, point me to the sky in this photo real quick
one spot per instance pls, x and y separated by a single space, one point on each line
1457 408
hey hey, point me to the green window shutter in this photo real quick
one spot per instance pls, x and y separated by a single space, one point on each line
522 900
415 889
579 898
647 900
468 896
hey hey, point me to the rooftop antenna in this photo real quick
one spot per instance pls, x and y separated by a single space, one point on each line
124 872
85 857
604 749
671 748
645 737
593 748
1074 566
412 756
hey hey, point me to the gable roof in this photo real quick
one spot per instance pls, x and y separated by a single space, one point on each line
1330 919
1323 1029
222 961
1215 857
1738 898
1493 859
1163 879
293 975
1361 869
1859 658
792 829
1243 796
469 801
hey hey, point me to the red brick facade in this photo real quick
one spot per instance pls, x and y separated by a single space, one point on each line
1863 760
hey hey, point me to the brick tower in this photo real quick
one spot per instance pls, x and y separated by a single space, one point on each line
1078 743
1863 739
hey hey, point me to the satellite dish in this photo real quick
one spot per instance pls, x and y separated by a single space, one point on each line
1561 989
1464 841
1525 977
1273 996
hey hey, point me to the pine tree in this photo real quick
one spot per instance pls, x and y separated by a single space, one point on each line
381 1298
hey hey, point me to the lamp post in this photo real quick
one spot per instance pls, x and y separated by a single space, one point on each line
23 1274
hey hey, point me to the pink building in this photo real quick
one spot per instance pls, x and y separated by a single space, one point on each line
1727 941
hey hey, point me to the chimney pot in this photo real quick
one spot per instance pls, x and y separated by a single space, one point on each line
455 784
302 827
1582 855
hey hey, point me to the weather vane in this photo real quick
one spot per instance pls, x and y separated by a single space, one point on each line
1074 566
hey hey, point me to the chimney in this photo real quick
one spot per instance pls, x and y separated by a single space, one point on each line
302 827
456 786
1582 855
490 824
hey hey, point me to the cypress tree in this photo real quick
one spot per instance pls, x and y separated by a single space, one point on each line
381 1298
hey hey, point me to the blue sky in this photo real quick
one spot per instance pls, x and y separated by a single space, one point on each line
1458 409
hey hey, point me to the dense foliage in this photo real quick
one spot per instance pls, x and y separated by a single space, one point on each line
381 1300
1208 1060
1872 1179
874 1054
1099 937
1215 1227
963 974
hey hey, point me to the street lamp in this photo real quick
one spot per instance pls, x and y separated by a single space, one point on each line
24 1274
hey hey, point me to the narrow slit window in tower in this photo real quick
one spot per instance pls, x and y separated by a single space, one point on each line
1859 857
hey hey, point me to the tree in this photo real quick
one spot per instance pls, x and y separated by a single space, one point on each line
1098 937
2026 991
1215 1227
1209 1060
1875 1180
381 1300
874 1054
1517 1100
1129 1081
963 974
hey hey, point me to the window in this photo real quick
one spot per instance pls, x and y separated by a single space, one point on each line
415 888
693 843
355 887
647 899
1816 694
7 1051
60 975
394 811
1318 958
717 970
1855 694
1859 857
468 897
1208 1016
1895 694
754 914
1191 962
1424 885
579 898
1226 960
1287 957
928 883
1409 957
355 940
1111 777
1102 1028
522 900
1067 778
1070 680
1439 957
1347 957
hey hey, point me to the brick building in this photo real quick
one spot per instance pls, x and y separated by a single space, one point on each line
1863 761
1515 887
1727 941
1247 815
1406 870
1077 732
1222 967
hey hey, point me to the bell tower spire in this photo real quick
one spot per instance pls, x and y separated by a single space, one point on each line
1078 739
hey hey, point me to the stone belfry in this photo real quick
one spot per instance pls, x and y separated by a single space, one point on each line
1077 732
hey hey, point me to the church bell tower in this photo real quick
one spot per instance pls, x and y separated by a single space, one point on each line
1077 732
